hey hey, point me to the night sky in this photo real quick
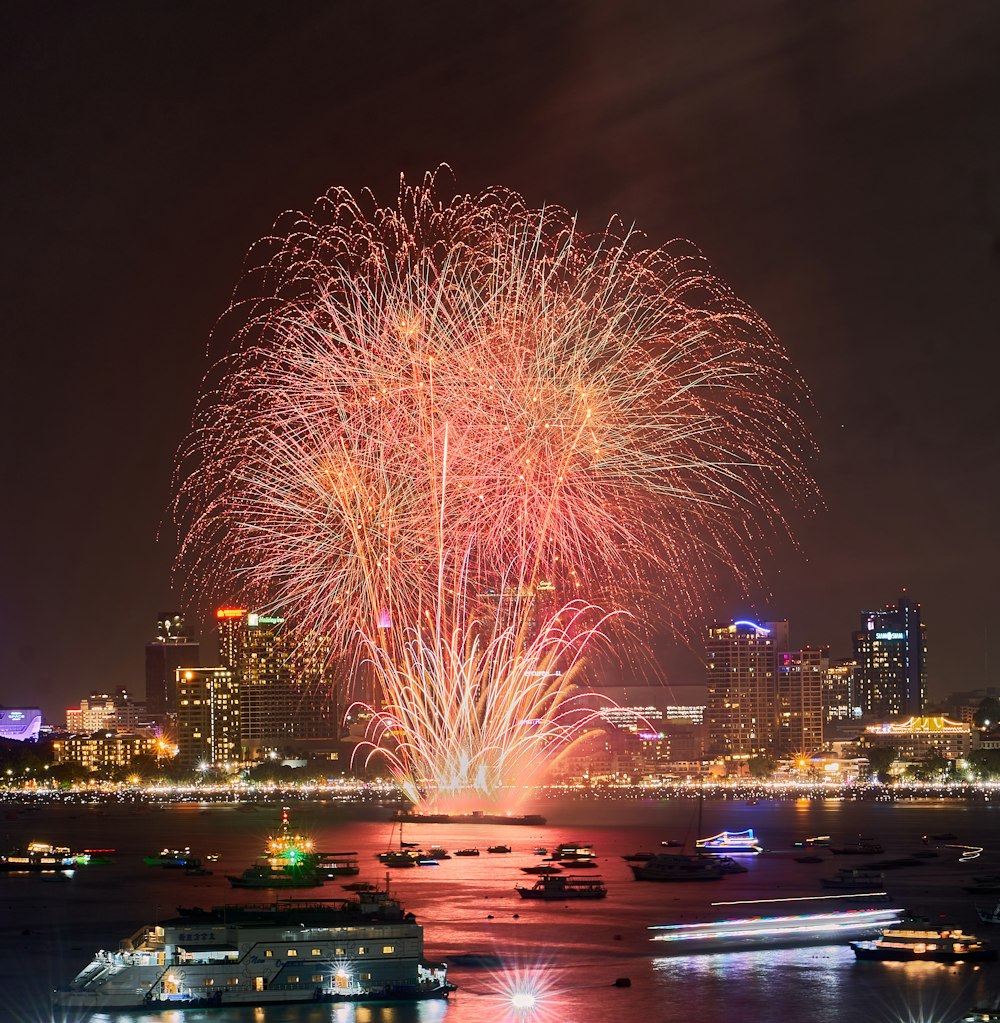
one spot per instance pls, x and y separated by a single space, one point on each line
839 164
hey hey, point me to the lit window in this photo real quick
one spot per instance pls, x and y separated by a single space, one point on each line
366 976
292 952
387 950
293 980
317 952
339 952
268 953
362 950
318 978
233 981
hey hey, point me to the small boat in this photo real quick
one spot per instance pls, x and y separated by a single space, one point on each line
466 852
730 842
677 867
498 849
579 864
859 879
730 866
438 853
359 886
542 868
540 850
197 872
563 887
426 861
812 842
918 940
672 843
399 860
573 851
172 859
862 847
212 857
982 1015
989 916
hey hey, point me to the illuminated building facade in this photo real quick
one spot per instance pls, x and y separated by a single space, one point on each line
285 685
840 691
891 651
919 737
103 750
742 676
208 718
21 724
801 676
173 648
115 711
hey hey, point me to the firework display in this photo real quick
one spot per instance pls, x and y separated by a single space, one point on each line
455 435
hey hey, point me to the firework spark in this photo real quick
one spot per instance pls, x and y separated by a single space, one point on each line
435 401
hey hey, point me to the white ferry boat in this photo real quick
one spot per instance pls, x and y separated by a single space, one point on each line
291 951
730 842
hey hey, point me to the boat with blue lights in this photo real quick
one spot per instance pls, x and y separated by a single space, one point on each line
336 950
829 927
729 842
37 856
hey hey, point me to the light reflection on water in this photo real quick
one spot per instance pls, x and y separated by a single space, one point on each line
568 955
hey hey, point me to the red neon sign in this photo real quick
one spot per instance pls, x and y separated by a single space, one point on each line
230 612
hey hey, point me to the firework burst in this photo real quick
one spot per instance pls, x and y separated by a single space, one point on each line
430 402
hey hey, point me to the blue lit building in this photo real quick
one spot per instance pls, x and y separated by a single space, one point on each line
20 723
891 651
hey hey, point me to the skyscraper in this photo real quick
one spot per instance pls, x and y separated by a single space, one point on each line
284 677
840 691
173 648
801 678
891 651
208 718
742 669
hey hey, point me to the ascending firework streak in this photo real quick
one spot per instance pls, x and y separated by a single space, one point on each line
436 412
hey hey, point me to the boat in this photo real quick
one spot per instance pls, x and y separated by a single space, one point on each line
290 862
989 916
476 817
813 842
579 864
172 859
352 950
672 843
854 879
677 867
729 842
983 1015
573 851
730 866
918 940
359 886
639 857
800 929
399 860
542 868
37 856
438 853
338 864
540 850
498 849
466 852
427 861
862 847
564 886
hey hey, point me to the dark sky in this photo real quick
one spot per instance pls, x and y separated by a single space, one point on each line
838 163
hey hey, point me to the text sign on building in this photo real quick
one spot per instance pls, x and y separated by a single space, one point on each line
890 635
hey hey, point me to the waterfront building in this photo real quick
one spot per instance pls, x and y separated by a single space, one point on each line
286 691
103 750
840 691
22 724
800 685
891 651
208 718
918 738
742 669
100 711
174 647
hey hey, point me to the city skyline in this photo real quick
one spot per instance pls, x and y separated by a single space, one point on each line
820 216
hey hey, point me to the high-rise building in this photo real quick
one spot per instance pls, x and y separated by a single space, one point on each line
840 691
801 677
208 718
173 648
285 680
891 651
742 670
115 711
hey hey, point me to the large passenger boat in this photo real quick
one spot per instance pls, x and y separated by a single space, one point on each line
476 817
291 951
730 842
290 862
918 940
38 856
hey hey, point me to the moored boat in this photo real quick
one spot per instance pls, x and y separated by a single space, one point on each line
917 940
293 951
728 842
37 856
677 867
498 849
558 887
989 916
466 852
